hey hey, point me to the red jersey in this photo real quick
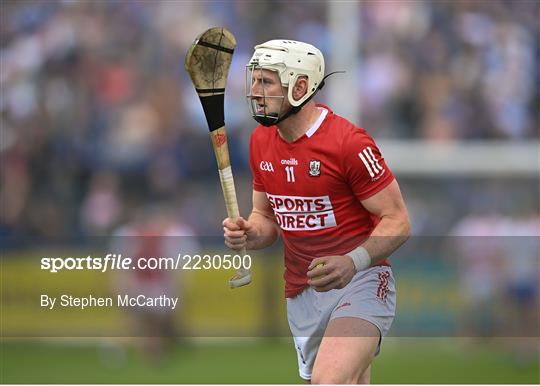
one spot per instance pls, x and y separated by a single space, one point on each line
315 185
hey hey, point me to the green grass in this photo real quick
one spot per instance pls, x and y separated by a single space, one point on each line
401 361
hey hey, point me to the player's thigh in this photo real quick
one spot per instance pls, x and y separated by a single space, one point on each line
346 351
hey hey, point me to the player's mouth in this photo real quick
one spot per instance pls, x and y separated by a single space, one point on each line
260 108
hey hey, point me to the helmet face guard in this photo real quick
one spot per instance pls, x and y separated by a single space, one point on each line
259 103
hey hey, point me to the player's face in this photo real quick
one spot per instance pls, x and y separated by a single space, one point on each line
265 83
266 95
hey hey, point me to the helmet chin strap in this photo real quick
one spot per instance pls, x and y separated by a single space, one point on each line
270 119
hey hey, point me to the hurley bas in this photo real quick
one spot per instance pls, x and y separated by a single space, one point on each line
162 301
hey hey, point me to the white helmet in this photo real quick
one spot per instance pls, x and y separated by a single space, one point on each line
291 59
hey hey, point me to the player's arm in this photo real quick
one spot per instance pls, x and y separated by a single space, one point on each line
264 222
259 231
389 234
394 227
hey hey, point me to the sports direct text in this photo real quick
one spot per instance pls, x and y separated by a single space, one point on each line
297 213
113 261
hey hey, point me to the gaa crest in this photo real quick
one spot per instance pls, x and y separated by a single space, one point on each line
314 168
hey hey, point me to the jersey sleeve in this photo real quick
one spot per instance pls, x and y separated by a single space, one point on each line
365 168
257 180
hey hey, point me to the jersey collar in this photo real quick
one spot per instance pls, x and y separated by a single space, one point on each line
318 122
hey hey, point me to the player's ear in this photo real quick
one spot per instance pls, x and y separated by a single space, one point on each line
300 87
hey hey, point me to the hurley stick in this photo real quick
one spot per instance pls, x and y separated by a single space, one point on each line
207 62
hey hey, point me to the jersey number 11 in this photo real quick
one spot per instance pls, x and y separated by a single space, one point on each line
290 173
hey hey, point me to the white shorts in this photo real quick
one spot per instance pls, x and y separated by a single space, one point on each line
371 296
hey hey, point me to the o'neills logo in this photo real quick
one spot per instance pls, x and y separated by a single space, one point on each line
297 213
291 161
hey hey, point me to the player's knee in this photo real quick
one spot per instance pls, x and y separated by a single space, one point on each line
365 378
333 379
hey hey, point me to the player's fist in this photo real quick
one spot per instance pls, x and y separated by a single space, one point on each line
236 233
330 272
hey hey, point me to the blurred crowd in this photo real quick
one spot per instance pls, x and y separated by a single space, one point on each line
498 262
98 117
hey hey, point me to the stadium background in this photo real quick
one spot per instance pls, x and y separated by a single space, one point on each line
100 127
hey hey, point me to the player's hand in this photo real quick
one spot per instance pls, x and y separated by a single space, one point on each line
334 273
237 233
